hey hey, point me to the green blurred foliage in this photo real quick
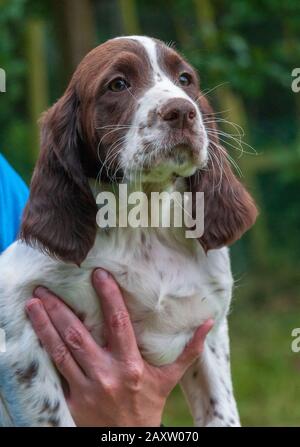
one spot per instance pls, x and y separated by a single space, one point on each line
245 51
13 126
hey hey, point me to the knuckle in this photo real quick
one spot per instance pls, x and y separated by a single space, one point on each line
73 337
120 320
109 386
60 354
134 373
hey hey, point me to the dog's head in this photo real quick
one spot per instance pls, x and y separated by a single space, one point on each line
133 108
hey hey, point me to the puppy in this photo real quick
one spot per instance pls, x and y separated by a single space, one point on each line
133 114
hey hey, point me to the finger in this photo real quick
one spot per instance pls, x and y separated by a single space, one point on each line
191 352
52 342
119 330
73 333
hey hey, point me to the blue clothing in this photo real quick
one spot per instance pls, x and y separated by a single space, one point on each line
13 196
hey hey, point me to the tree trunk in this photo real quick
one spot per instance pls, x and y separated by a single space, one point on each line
129 17
37 80
76 32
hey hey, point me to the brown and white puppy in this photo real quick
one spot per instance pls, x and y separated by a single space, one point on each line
132 114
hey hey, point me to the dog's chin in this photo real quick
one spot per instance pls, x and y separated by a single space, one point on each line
179 161
167 172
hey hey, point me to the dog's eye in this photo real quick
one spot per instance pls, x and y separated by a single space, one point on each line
118 85
185 79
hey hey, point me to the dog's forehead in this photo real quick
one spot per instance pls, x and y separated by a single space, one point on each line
157 52
152 57
106 53
159 55
151 48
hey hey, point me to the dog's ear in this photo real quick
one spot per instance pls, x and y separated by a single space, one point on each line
229 210
60 216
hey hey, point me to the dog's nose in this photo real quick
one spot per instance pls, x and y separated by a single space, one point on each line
178 113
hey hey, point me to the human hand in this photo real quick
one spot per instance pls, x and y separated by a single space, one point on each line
111 385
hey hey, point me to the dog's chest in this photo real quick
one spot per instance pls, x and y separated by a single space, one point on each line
170 288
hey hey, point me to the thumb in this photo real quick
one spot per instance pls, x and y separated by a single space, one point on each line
192 350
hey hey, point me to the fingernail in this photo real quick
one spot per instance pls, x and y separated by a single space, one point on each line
40 292
101 275
33 307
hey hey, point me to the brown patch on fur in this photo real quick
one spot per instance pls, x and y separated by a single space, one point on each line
55 407
146 256
53 421
46 405
212 349
218 415
212 401
25 376
173 64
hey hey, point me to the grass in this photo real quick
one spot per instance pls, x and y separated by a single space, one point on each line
266 373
